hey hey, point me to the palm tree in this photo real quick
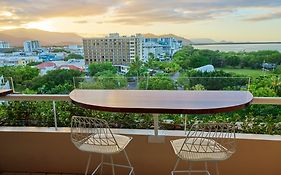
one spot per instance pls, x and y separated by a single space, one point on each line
136 66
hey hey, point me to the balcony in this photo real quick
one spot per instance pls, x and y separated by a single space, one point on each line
49 150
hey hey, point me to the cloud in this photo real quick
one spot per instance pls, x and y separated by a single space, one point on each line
81 22
131 12
263 17
182 11
34 10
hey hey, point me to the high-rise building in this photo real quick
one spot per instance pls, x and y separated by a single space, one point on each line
4 45
31 46
162 48
120 50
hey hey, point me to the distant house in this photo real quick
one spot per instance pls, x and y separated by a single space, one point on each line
206 68
55 65
45 67
71 67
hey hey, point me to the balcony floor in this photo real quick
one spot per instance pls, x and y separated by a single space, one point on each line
26 173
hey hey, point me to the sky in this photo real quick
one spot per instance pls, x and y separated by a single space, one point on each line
230 20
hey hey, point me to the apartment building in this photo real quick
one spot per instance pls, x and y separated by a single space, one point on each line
162 48
120 50
31 46
4 45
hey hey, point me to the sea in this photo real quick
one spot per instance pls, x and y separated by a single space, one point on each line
240 47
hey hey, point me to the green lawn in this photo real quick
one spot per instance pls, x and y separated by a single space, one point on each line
246 72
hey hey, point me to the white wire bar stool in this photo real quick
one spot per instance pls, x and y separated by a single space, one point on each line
94 136
205 142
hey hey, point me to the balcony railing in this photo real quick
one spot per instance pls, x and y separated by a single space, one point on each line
49 150
54 98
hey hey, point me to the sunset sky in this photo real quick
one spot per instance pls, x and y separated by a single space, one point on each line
231 20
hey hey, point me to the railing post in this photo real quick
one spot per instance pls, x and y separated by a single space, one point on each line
156 138
55 115
12 84
156 123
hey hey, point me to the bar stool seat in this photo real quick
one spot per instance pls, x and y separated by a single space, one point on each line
92 144
204 152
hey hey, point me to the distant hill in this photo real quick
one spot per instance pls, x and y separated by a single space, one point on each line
202 40
16 37
184 40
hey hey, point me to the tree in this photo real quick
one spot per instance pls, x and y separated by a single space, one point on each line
152 63
169 67
278 70
158 82
136 67
105 80
34 63
95 68
73 56
55 80
151 55
60 50
21 75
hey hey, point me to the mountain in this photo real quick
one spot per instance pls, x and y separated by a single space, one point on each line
16 37
184 40
202 40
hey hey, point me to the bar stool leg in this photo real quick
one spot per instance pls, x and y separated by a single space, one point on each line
189 167
206 168
217 169
176 165
125 153
112 165
88 163
101 170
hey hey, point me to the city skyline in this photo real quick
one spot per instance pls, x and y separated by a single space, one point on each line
253 20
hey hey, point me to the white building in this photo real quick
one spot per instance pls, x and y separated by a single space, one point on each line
31 46
17 60
76 49
206 68
154 48
161 48
4 45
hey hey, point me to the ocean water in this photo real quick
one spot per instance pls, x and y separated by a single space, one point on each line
240 47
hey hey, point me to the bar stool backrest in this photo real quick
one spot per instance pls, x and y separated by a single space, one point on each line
210 138
91 131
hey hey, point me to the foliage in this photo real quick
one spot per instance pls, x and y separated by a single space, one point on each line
217 80
106 80
266 86
73 56
278 69
188 57
56 81
60 50
95 68
169 67
158 82
21 75
137 68
33 63
41 114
